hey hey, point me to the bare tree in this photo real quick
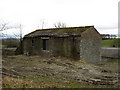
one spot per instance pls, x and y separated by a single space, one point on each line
6 25
41 25
3 26
19 34
59 25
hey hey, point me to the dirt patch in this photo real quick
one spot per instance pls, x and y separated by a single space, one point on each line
76 71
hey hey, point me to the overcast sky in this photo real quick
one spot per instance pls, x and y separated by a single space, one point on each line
103 14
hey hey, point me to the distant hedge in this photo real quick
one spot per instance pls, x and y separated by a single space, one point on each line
6 52
10 42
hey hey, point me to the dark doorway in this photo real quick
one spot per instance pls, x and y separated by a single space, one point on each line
32 42
45 44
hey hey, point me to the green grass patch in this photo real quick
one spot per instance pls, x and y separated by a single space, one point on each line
43 82
111 43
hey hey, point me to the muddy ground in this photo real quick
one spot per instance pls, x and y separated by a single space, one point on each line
103 74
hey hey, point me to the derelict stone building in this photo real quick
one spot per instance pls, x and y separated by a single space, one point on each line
72 42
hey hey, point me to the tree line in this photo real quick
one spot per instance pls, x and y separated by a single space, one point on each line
108 36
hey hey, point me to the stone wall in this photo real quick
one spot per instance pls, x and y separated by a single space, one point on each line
33 46
67 47
90 46
90 50
57 46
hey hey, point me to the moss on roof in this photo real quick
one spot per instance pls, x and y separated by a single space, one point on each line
67 31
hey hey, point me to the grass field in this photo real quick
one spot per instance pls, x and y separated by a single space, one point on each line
111 43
